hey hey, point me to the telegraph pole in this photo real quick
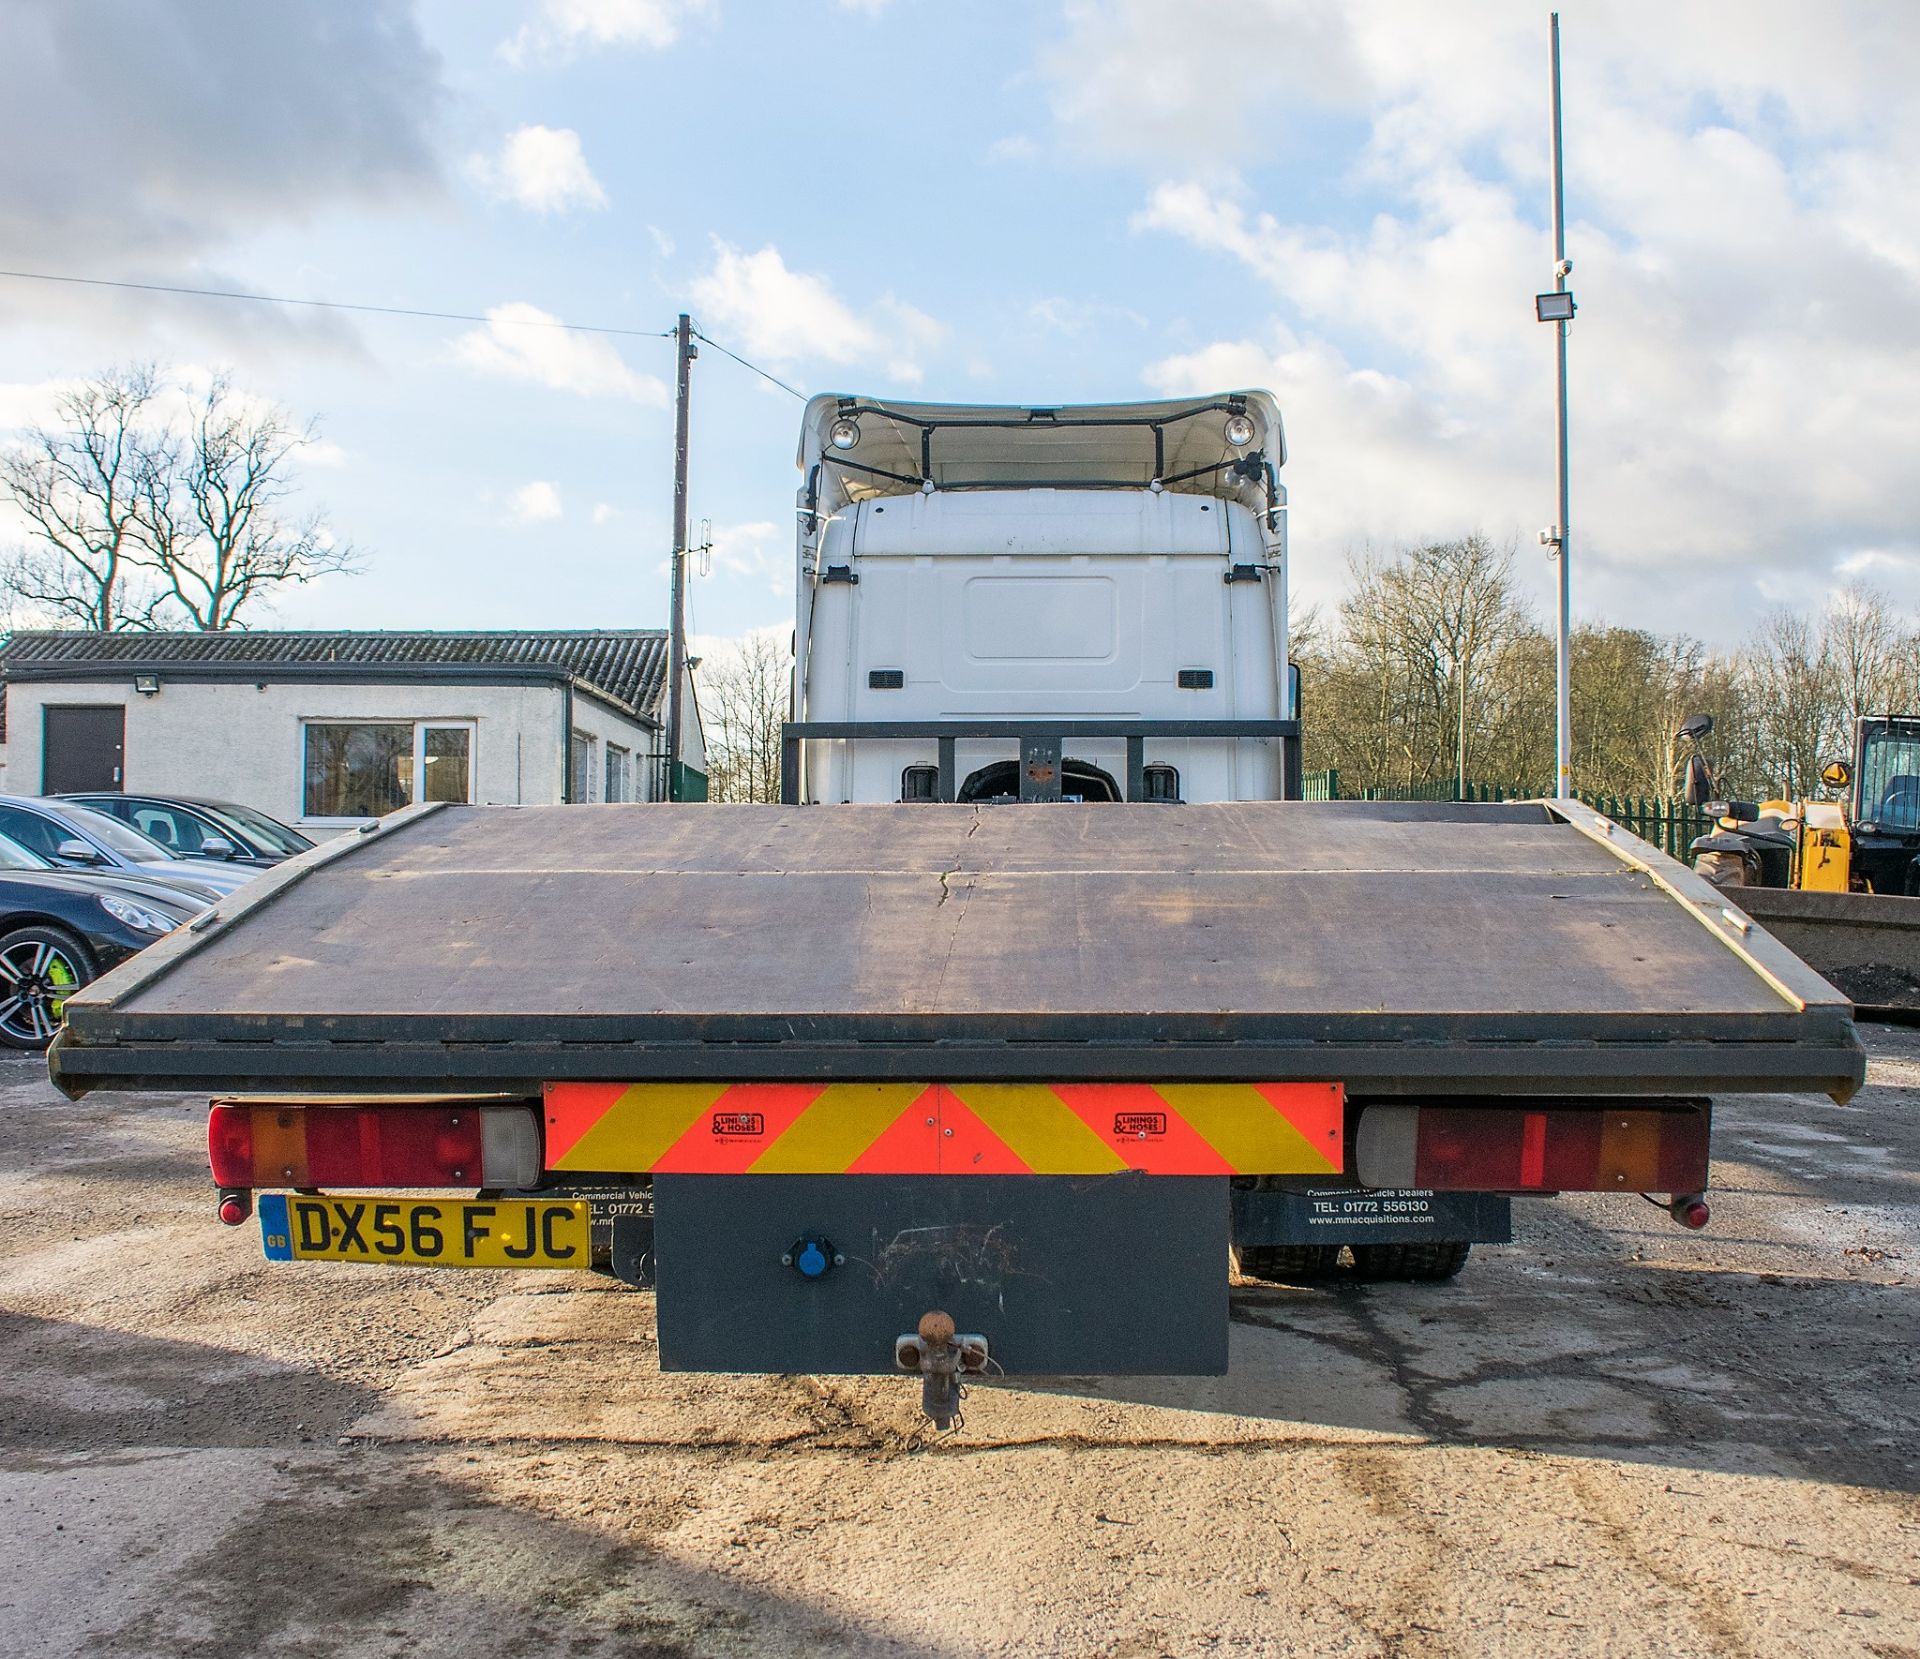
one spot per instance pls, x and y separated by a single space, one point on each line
1561 315
686 352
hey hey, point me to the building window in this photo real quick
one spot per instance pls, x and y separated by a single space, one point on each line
368 768
447 756
619 773
580 768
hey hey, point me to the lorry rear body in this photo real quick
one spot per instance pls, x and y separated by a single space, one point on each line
929 1075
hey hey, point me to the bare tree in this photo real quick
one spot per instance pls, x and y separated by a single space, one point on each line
80 486
1433 669
1788 679
1415 673
1869 659
215 529
748 689
138 521
1632 691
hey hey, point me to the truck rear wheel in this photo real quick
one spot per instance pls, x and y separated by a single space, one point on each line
1286 1264
1722 869
1440 1259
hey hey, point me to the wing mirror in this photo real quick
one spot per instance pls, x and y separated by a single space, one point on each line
1836 774
75 851
218 846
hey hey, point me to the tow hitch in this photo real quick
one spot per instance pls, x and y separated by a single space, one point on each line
942 1358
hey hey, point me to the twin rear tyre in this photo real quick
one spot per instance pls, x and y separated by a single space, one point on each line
1290 1264
1420 1262
1287 1264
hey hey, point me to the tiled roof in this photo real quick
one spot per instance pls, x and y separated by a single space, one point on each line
628 665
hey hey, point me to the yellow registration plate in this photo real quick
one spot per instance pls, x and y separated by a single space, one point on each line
425 1232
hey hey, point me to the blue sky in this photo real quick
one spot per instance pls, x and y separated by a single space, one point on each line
1001 202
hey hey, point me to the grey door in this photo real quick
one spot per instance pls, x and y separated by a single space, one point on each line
82 748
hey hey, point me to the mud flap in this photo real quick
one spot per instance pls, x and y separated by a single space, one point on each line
1306 1213
1115 1274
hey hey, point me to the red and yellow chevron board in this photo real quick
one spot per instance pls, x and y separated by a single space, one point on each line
946 1128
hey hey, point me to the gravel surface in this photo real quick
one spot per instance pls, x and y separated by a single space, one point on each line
1611 1437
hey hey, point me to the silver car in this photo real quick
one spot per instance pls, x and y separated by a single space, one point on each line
78 838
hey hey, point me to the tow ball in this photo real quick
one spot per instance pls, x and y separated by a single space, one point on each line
942 1358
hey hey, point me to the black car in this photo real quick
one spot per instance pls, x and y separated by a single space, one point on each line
61 928
198 828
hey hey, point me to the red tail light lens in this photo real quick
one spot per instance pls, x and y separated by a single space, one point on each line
456 1145
230 1145
384 1146
1590 1148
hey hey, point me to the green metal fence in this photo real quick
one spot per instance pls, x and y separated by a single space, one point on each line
1669 824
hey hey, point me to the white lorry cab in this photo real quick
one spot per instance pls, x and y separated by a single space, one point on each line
1068 603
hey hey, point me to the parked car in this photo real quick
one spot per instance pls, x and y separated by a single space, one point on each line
61 928
181 891
195 828
76 837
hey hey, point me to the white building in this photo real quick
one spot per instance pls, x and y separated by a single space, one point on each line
324 730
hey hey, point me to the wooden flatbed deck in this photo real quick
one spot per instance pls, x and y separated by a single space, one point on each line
1399 947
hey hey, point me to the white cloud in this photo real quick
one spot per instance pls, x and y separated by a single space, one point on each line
535 502
1157 80
1014 147
1370 460
522 342
322 452
1744 219
873 8
1877 565
757 553
542 169
718 652
25 403
562 28
604 512
784 316
205 124
662 243
778 313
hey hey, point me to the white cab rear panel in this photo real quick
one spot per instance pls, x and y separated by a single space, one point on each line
1043 604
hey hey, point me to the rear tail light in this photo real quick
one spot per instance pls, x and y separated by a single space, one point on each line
460 1145
1527 1149
230 1145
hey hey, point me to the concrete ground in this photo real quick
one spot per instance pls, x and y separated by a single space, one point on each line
1610 1437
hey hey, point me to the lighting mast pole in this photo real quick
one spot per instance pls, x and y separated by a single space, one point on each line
686 352
1558 309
